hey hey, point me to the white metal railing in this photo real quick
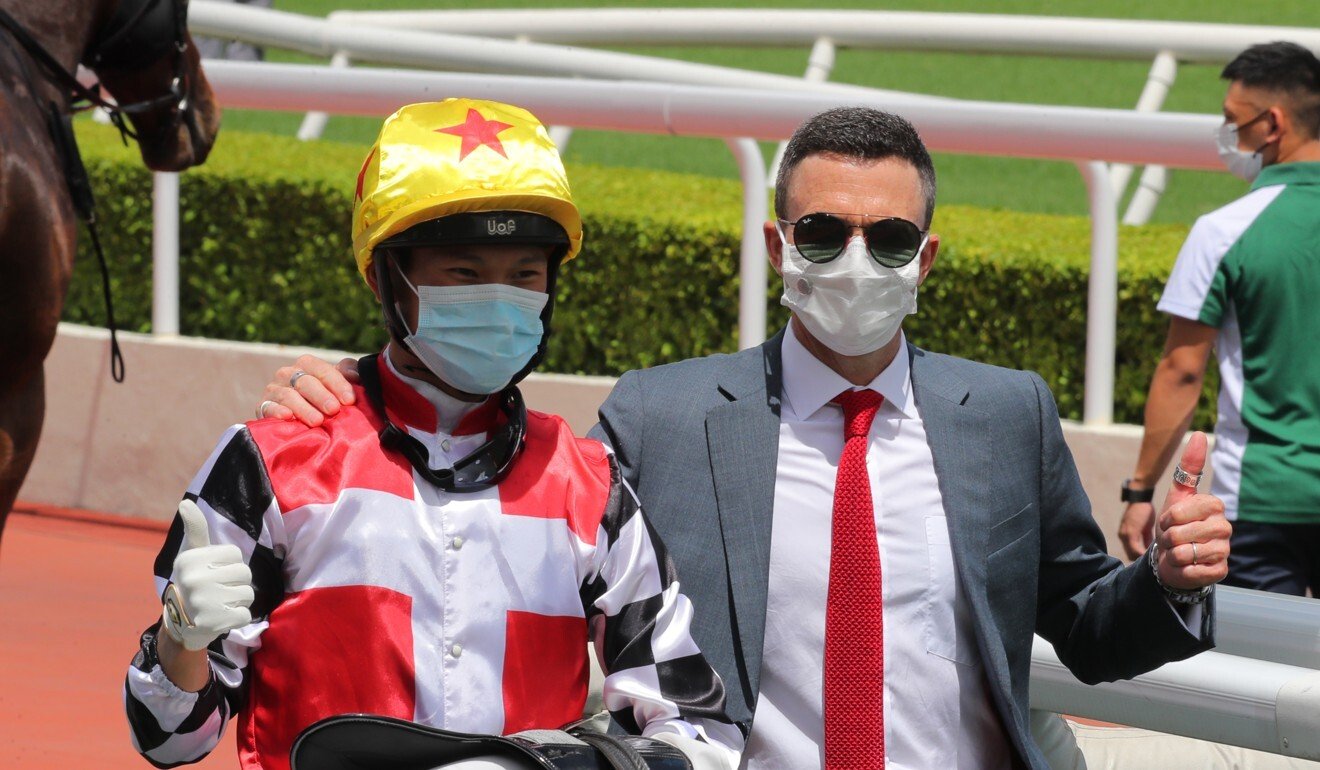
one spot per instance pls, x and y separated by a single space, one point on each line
438 50
895 30
1265 626
1181 140
1260 688
1213 696
1165 43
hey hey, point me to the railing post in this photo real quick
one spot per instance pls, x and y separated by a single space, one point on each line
820 63
165 253
313 124
1150 186
1101 295
1163 72
558 134
752 257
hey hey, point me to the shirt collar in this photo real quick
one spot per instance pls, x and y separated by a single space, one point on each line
809 384
1297 172
421 405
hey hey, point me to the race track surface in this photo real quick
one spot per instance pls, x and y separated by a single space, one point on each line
75 592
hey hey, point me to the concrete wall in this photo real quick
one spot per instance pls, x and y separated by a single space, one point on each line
132 448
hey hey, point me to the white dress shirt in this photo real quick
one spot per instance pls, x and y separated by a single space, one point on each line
938 712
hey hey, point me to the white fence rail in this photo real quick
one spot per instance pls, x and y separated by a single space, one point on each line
438 50
1274 627
1164 43
1260 688
895 30
1216 697
1181 140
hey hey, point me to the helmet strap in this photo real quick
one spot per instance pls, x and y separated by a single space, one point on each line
551 279
394 322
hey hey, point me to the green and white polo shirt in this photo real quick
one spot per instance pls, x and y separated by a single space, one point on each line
1252 270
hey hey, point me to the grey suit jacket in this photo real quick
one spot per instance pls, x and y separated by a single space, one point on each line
698 441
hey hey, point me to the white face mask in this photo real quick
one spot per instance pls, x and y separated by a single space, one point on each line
1240 163
851 304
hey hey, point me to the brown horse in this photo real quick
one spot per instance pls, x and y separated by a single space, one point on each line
142 54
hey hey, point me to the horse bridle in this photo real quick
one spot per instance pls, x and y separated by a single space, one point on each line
131 41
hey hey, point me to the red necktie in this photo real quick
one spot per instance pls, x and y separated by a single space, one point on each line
854 623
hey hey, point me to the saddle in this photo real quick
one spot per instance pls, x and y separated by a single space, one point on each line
369 742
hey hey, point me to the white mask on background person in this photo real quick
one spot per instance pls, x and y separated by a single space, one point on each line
853 305
1240 163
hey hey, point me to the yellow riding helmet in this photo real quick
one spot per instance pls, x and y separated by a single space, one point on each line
459 156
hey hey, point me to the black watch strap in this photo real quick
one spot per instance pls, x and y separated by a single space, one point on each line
147 658
1131 495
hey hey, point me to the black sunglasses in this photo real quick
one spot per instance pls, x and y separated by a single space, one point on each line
891 241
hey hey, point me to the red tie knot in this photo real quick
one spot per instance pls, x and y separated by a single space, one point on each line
859 408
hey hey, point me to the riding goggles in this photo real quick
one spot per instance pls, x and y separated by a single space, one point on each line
891 241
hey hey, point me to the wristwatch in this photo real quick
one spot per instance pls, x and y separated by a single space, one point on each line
1176 595
1131 495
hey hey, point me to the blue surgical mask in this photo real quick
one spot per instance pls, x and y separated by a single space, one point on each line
476 338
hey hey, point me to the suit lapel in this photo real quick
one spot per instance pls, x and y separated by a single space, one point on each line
959 442
961 446
742 437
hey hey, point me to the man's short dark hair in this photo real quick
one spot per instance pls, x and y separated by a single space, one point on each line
857 133
1286 68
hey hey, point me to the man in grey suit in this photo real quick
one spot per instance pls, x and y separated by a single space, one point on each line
871 533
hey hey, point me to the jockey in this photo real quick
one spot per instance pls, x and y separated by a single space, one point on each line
435 552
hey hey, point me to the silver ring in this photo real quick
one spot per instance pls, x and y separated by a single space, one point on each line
293 381
261 410
1186 479
1193 553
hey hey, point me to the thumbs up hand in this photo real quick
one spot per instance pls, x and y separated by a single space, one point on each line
212 589
1191 533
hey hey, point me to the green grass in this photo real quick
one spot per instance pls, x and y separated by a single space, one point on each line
1026 185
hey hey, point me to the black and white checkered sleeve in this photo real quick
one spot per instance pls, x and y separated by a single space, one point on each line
172 727
656 679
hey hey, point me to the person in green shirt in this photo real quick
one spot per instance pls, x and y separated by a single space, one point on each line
1247 284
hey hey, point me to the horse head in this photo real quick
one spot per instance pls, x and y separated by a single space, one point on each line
144 56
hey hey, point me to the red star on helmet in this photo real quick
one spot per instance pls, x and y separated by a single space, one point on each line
476 132
362 174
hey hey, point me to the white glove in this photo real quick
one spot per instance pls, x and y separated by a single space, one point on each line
212 588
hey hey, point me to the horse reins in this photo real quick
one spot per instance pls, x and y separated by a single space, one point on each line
117 48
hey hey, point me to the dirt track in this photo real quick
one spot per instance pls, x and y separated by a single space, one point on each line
75 592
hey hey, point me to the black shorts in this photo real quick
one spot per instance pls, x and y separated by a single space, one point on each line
1283 558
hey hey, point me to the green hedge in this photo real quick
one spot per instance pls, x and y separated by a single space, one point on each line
265 257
